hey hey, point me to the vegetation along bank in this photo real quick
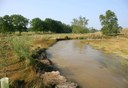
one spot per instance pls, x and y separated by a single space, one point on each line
24 60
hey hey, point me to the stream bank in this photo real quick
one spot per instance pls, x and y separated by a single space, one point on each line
43 73
46 73
50 74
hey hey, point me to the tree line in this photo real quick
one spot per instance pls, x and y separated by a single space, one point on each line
13 23
49 25
10 24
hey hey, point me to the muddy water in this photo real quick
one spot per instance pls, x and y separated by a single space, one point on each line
89 67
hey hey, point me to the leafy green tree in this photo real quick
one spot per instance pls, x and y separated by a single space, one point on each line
58 26
37 24
1 25
53 25
109 23
50 25
6 24
66 28
19 23
80 25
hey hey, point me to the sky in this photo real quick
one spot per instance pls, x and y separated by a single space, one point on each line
66 10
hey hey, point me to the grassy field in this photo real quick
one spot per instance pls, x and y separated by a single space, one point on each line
117 45
15 52
15 57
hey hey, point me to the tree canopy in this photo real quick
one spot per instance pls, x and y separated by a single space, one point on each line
37 24
19 23
6 24
80 25
109 23
13 23
49 25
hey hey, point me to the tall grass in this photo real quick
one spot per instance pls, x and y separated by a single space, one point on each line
21 47
4 48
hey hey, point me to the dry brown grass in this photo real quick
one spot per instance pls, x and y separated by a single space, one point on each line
42 43
117 45
27 74
124 31
16 68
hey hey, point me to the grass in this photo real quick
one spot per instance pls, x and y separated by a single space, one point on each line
124 31
117 45
15 60
21 48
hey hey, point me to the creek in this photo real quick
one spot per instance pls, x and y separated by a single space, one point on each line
89 67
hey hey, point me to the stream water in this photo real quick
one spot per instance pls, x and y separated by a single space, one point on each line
89 67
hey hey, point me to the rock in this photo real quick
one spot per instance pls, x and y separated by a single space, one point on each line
67 85
53 78
46 61
39 53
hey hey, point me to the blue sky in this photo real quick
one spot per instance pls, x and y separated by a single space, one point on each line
66 10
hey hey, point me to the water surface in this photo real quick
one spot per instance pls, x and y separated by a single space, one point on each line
89 67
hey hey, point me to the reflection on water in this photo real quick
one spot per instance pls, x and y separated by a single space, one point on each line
89 67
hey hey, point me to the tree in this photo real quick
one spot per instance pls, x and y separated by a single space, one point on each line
37 24
66 28
19 23
109 23
50 25
80 25
53 25
1 25
6 24
92 30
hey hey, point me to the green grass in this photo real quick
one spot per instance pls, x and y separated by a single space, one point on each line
21 47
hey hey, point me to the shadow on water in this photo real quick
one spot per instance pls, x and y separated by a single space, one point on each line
89 67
